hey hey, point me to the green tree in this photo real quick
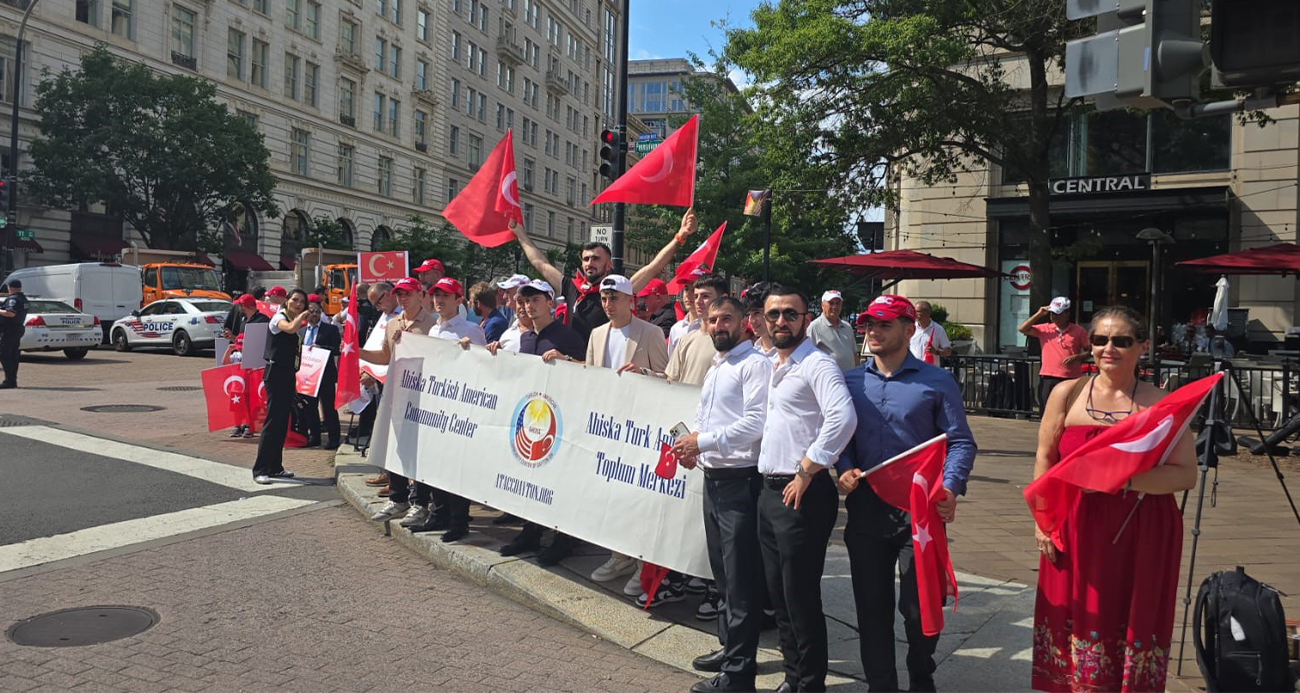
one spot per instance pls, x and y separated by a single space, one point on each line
325 233
924 88
158 150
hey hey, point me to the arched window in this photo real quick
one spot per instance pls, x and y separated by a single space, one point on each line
295 225
381 235
349 233
241 228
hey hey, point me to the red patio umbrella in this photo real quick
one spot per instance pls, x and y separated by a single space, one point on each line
1283 258
896 265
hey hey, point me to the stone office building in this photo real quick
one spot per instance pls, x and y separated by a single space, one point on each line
372 111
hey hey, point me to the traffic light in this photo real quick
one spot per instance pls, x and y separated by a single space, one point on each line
5 191
1145 54
611 147
1253 42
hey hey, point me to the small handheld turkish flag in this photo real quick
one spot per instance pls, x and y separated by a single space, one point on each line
226 395
484 209
913 481
256 399
349 379
703 258
665 176
1105 463
667 467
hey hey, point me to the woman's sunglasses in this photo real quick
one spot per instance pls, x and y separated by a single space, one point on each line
1120 341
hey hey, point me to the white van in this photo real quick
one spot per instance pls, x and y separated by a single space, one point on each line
105 290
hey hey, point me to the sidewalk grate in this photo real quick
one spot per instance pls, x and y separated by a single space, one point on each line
122 408
87 625
12 420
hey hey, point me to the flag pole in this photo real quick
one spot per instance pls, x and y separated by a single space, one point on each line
620 156
905 453
767 237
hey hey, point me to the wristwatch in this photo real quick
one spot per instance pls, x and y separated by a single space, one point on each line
803 473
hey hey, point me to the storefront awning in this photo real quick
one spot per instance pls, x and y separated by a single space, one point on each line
895 265
1282 258
1159 200
203 259
26 245
287 263
98 247
244 260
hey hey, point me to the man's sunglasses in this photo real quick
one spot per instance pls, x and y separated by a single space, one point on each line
789 314
1120 341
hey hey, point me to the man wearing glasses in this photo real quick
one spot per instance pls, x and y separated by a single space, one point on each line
810 419
1065 345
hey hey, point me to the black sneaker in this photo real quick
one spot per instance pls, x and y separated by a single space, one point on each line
526 540
560 548
708 609
696 585
282 474
666 594
455 534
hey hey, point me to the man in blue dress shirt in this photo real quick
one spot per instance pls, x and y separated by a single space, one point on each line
900 402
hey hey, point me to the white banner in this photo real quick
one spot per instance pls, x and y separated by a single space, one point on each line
572 447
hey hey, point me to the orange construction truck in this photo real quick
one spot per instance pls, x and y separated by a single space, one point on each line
180 280
338 281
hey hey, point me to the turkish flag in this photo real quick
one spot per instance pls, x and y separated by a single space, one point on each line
667 467
483 210
226 393
387 266
349 380
664 176
913 481
702 259
256 399
1105 463
266 309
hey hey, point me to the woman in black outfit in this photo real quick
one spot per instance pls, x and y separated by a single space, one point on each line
283 351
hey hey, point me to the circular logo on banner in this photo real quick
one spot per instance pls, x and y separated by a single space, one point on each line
537 429
1020 277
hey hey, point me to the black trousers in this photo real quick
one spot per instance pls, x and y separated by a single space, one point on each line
1046 383
879 540
455 508
10 340
794 555
280 396
731 530
322 408
400 491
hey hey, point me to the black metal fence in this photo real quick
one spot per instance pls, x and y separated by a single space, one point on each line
999 385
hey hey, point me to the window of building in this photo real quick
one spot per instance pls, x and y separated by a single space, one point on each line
380 100
348 36
505 76
471 57
482 107
347 156
453 140
421 75
381 52
528 216
293 14
455 46
235 54
530 12
529 167
550 224
396 15
455 94
475 152
422 24
572 194
418 186
395 62
311 20
87 12
421 134
394 115
300 144
385 176
291 67
1185 146
501 116
381 8
471 96
262 6
121 23
310 85
258 63
183 31
453 187
249 118
347 99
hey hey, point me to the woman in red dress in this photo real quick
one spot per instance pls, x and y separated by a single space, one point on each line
1106 596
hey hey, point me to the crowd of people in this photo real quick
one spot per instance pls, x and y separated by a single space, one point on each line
792 415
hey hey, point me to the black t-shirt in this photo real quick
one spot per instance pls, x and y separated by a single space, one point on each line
585 315
664 318
554 336
15 303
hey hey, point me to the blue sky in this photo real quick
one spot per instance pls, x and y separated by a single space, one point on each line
670 28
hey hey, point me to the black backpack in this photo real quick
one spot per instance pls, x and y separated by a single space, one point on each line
1244 644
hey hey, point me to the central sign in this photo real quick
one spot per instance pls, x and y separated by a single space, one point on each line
1096 185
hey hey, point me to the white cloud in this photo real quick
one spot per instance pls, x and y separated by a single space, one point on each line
643 54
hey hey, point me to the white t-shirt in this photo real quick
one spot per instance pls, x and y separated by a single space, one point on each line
680 329
616 346
510 338
922 337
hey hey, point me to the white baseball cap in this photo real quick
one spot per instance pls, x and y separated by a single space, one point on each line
832 294
514 281
539 286
617 282
1059 305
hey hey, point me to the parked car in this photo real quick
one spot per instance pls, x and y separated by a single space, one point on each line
187 325
54 325
106 290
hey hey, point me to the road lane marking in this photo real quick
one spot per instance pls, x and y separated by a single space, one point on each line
195 467
39 551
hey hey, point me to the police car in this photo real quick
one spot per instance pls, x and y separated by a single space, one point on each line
187 325
54 325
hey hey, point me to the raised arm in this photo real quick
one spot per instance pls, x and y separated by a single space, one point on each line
657 265
536 257
1027 327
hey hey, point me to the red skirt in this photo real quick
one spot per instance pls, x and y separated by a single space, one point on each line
1104 615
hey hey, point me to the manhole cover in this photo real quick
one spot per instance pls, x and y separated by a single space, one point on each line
180 388
122 408
89 625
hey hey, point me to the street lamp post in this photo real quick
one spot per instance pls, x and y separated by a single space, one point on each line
12 174
1155 237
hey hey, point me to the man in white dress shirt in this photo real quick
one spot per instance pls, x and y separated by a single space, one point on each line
810 419
725 443
930 341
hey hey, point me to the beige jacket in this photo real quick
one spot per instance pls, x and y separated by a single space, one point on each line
646 346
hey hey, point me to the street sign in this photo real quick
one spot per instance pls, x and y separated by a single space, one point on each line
602 234
25 234
645 147
4 221
647 136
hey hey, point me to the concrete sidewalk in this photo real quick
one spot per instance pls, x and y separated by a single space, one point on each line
985 645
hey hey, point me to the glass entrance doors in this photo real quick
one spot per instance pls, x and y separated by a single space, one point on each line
1106 283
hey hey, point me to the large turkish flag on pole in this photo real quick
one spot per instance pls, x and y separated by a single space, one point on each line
483 210
226 393
1105 463
913 481
387 266
664 176
349 384
703 258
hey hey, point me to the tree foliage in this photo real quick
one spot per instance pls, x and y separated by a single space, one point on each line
873 89
157 150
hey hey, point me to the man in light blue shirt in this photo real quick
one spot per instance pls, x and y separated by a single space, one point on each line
900 402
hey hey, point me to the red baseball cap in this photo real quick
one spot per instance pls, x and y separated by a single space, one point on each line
430 265
408 284
245 300
890 306
656 287
448 285
277 291
314 298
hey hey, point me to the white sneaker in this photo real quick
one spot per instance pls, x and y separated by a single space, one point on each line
617 566
417 516
633 586
389 511
261 479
